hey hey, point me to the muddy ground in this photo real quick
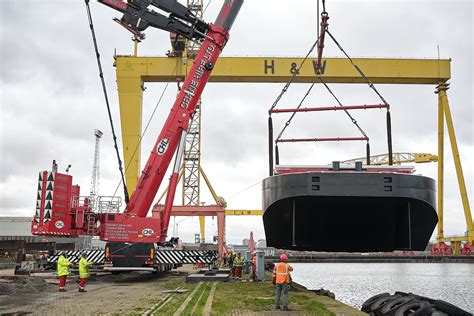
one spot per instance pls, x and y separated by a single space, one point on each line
106 295
148 294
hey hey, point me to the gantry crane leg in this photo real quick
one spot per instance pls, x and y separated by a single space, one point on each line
443 105
440 167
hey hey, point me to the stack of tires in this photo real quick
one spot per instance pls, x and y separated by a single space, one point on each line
400 304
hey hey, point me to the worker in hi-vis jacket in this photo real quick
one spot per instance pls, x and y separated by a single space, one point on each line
282 279
84 272
63 271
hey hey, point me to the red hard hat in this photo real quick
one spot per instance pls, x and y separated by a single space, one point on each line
283 257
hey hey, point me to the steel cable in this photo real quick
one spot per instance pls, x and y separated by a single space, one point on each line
294 113
146 128
340 104
104 89
327 87
296 72
371 85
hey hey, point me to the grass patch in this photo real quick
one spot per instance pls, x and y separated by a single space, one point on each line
175 302
172 285
309 304
259 297
199 300
168 307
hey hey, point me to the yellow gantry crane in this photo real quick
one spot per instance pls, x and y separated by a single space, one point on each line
398 158
133 72
444 115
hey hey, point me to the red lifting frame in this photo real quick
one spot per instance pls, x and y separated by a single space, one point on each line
324 139
332 108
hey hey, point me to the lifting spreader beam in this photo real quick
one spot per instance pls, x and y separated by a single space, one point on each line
332 108
326 139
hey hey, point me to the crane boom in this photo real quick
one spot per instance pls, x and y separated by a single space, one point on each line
175 125
59 210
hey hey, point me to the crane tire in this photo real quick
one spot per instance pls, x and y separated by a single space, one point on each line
370 301
377 306
414 308
391 307
450 309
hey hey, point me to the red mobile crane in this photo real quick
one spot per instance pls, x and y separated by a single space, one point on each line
59 209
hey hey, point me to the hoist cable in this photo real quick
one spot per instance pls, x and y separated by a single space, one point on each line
371 85
294 113
146 128
207 6
104 89
295 73
340 104
317 14
329 90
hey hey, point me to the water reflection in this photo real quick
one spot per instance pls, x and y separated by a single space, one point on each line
353 283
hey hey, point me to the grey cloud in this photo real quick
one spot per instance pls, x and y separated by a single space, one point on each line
51 98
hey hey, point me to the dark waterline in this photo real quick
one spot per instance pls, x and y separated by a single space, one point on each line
353 283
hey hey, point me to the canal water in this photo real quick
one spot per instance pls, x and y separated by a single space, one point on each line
353 283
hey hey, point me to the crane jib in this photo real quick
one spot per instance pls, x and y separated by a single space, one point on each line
192 87
132 225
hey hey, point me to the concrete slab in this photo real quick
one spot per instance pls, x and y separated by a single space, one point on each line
195 278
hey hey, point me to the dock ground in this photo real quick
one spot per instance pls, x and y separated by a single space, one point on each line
165 294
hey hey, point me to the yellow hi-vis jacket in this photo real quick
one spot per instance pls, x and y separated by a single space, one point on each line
239 262
84 268
63 266
281 273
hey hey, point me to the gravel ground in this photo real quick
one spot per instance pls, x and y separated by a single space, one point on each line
131 293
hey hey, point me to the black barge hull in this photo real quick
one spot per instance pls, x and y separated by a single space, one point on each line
349 211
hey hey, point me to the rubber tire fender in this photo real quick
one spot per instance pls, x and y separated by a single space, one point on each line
420 308
450 309
390 308
366 306
379 304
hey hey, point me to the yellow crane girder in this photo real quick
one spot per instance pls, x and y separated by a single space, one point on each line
132 72
281 69
244 212
398 158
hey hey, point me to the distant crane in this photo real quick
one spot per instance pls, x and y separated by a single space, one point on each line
398 158
94 192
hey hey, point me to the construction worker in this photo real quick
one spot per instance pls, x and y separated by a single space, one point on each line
231 264
282 279
253 275
63 271
225 258
84 272
238 263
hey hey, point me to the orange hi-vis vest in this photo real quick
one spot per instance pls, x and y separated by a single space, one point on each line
281 272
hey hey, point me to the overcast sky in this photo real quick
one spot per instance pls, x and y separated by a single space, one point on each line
51 99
